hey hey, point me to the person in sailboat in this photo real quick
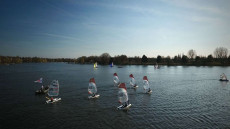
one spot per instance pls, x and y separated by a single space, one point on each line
51 99
42 87
125 104
93 95
149 90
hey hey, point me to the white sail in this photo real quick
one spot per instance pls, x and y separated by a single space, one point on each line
146 83
156 66
223 77
122 93
116 79
92 89
54 88
132 81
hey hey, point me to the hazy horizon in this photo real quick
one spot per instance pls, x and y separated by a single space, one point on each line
75 28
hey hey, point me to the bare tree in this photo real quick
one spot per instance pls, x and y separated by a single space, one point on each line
221 52
191 54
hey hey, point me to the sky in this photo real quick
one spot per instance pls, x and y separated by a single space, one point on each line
75 28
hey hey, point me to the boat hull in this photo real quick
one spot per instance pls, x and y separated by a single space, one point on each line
124 108
94 97
54 100
224 80
135 87
44 91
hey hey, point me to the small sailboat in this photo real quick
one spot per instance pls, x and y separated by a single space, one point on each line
42 90
116 79
111 65
95 65
223 77
92 89
123 98
39 80
133 81
156 66
53 91
146 85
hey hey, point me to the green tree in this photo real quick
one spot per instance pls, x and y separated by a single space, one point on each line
144 59
197 59
104 58
159 59
184 59
81 60
120 60
210 58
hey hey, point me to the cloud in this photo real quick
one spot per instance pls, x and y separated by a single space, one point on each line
61 36
196 5
202 11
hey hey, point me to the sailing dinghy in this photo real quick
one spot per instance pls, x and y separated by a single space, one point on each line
146 85
223 77
111 65
53 91
92 89
156 66
123 98
39 80
116 79
133 81
95 65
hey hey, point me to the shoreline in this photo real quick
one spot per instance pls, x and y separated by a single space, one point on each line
117 65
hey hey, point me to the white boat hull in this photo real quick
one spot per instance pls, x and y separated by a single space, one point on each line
135 87
94 97
54 100
124 108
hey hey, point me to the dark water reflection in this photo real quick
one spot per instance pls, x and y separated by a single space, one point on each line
183 97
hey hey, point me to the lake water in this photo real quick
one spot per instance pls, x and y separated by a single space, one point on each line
182 97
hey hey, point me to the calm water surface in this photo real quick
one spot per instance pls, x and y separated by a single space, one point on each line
183 97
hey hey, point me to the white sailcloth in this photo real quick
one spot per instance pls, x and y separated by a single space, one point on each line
54 88
92 89
132 81
116 79
146 83
223 77
122 94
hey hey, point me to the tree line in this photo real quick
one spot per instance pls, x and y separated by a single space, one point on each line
18 60
220 57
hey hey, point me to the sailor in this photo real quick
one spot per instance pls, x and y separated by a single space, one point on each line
125 104
51 99
93 95
149 90
42 87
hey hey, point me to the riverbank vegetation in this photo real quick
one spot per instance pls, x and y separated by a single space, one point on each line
220 57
